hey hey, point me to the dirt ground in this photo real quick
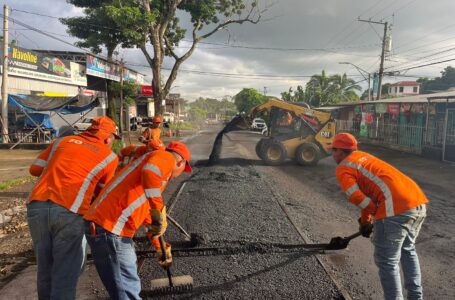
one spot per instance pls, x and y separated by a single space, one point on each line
236 203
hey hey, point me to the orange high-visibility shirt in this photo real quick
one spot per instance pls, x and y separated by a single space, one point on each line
72 170
125 203
152 134
377 188
133 152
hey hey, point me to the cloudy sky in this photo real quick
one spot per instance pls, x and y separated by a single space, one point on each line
296 39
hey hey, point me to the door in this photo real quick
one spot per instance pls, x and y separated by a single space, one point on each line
449 141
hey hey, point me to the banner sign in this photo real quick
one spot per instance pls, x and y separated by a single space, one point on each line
132 75
99 67
381 108
146 90
375 85
29 64
393 109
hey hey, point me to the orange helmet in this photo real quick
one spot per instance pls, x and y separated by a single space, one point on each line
156 120
182 150
344 141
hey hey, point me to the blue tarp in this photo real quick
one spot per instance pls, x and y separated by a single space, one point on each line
41 119
63 105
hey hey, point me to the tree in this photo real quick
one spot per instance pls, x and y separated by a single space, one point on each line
96 30
155 21
443 83
343 89
246 99
317 90
294 96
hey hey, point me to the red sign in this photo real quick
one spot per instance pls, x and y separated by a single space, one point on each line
393 109
146 90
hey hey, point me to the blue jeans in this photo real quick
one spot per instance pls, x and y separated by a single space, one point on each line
115 261
394 242
58 239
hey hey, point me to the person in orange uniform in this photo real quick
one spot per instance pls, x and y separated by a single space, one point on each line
132 197
153 132
391 203
71 171
133 152
286 119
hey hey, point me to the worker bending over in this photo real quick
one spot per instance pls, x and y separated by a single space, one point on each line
72 170
130 198
153 132
390 201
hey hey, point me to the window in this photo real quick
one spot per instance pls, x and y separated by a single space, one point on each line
396 90
401 89
414 89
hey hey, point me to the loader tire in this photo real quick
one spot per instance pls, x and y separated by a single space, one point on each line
259 146
273 153
308 154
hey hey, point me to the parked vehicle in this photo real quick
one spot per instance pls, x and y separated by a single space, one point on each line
259 125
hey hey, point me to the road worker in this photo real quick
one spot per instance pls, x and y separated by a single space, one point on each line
132 152
132 197
71 171
391 203
153 132
286 119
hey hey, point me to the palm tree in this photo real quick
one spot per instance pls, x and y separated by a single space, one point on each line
345 89
317 88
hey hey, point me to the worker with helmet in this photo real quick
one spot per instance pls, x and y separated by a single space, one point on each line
71 171
127 201
391 203
153 132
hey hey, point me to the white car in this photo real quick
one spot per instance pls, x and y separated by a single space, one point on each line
258 124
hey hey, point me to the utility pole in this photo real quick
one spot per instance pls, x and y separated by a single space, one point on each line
5 138
121 99
265 91
381 66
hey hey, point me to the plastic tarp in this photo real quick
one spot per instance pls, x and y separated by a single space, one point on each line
63 105
35 118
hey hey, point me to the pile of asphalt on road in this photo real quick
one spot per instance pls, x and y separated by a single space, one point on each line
237 123
232 205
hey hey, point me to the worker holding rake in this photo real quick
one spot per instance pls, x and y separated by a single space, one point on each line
391 203
130 198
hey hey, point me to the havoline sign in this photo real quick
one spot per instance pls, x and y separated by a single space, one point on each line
29 64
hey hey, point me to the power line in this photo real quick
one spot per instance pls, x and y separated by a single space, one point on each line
421 66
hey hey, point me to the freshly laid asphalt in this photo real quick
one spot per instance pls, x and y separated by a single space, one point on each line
231 204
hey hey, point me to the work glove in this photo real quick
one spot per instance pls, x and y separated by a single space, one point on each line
365 229
159 222
167 262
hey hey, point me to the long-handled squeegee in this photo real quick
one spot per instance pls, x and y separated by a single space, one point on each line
170 285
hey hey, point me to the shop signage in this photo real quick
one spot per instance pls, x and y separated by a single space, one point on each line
146 90
393 109
29 64
99 67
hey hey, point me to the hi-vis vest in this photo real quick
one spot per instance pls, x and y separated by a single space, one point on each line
124 204
376 187
72 170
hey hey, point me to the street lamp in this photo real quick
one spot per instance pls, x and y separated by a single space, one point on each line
362 72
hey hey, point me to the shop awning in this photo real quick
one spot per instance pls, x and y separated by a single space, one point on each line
64 105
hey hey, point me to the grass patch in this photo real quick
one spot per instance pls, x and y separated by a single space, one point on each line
183 126
5 185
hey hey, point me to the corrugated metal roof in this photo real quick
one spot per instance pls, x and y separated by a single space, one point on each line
422 98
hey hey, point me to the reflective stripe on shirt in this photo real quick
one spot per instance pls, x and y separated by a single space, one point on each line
40 162
365 202
354 188
119 179
152 168
126 213
86 184
379 182
150 193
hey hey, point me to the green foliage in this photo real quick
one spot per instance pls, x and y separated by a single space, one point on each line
248 98
5 185
446 81
183 126
96 28
130 90
199 109
294 96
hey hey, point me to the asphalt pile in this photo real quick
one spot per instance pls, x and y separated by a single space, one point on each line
231 205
